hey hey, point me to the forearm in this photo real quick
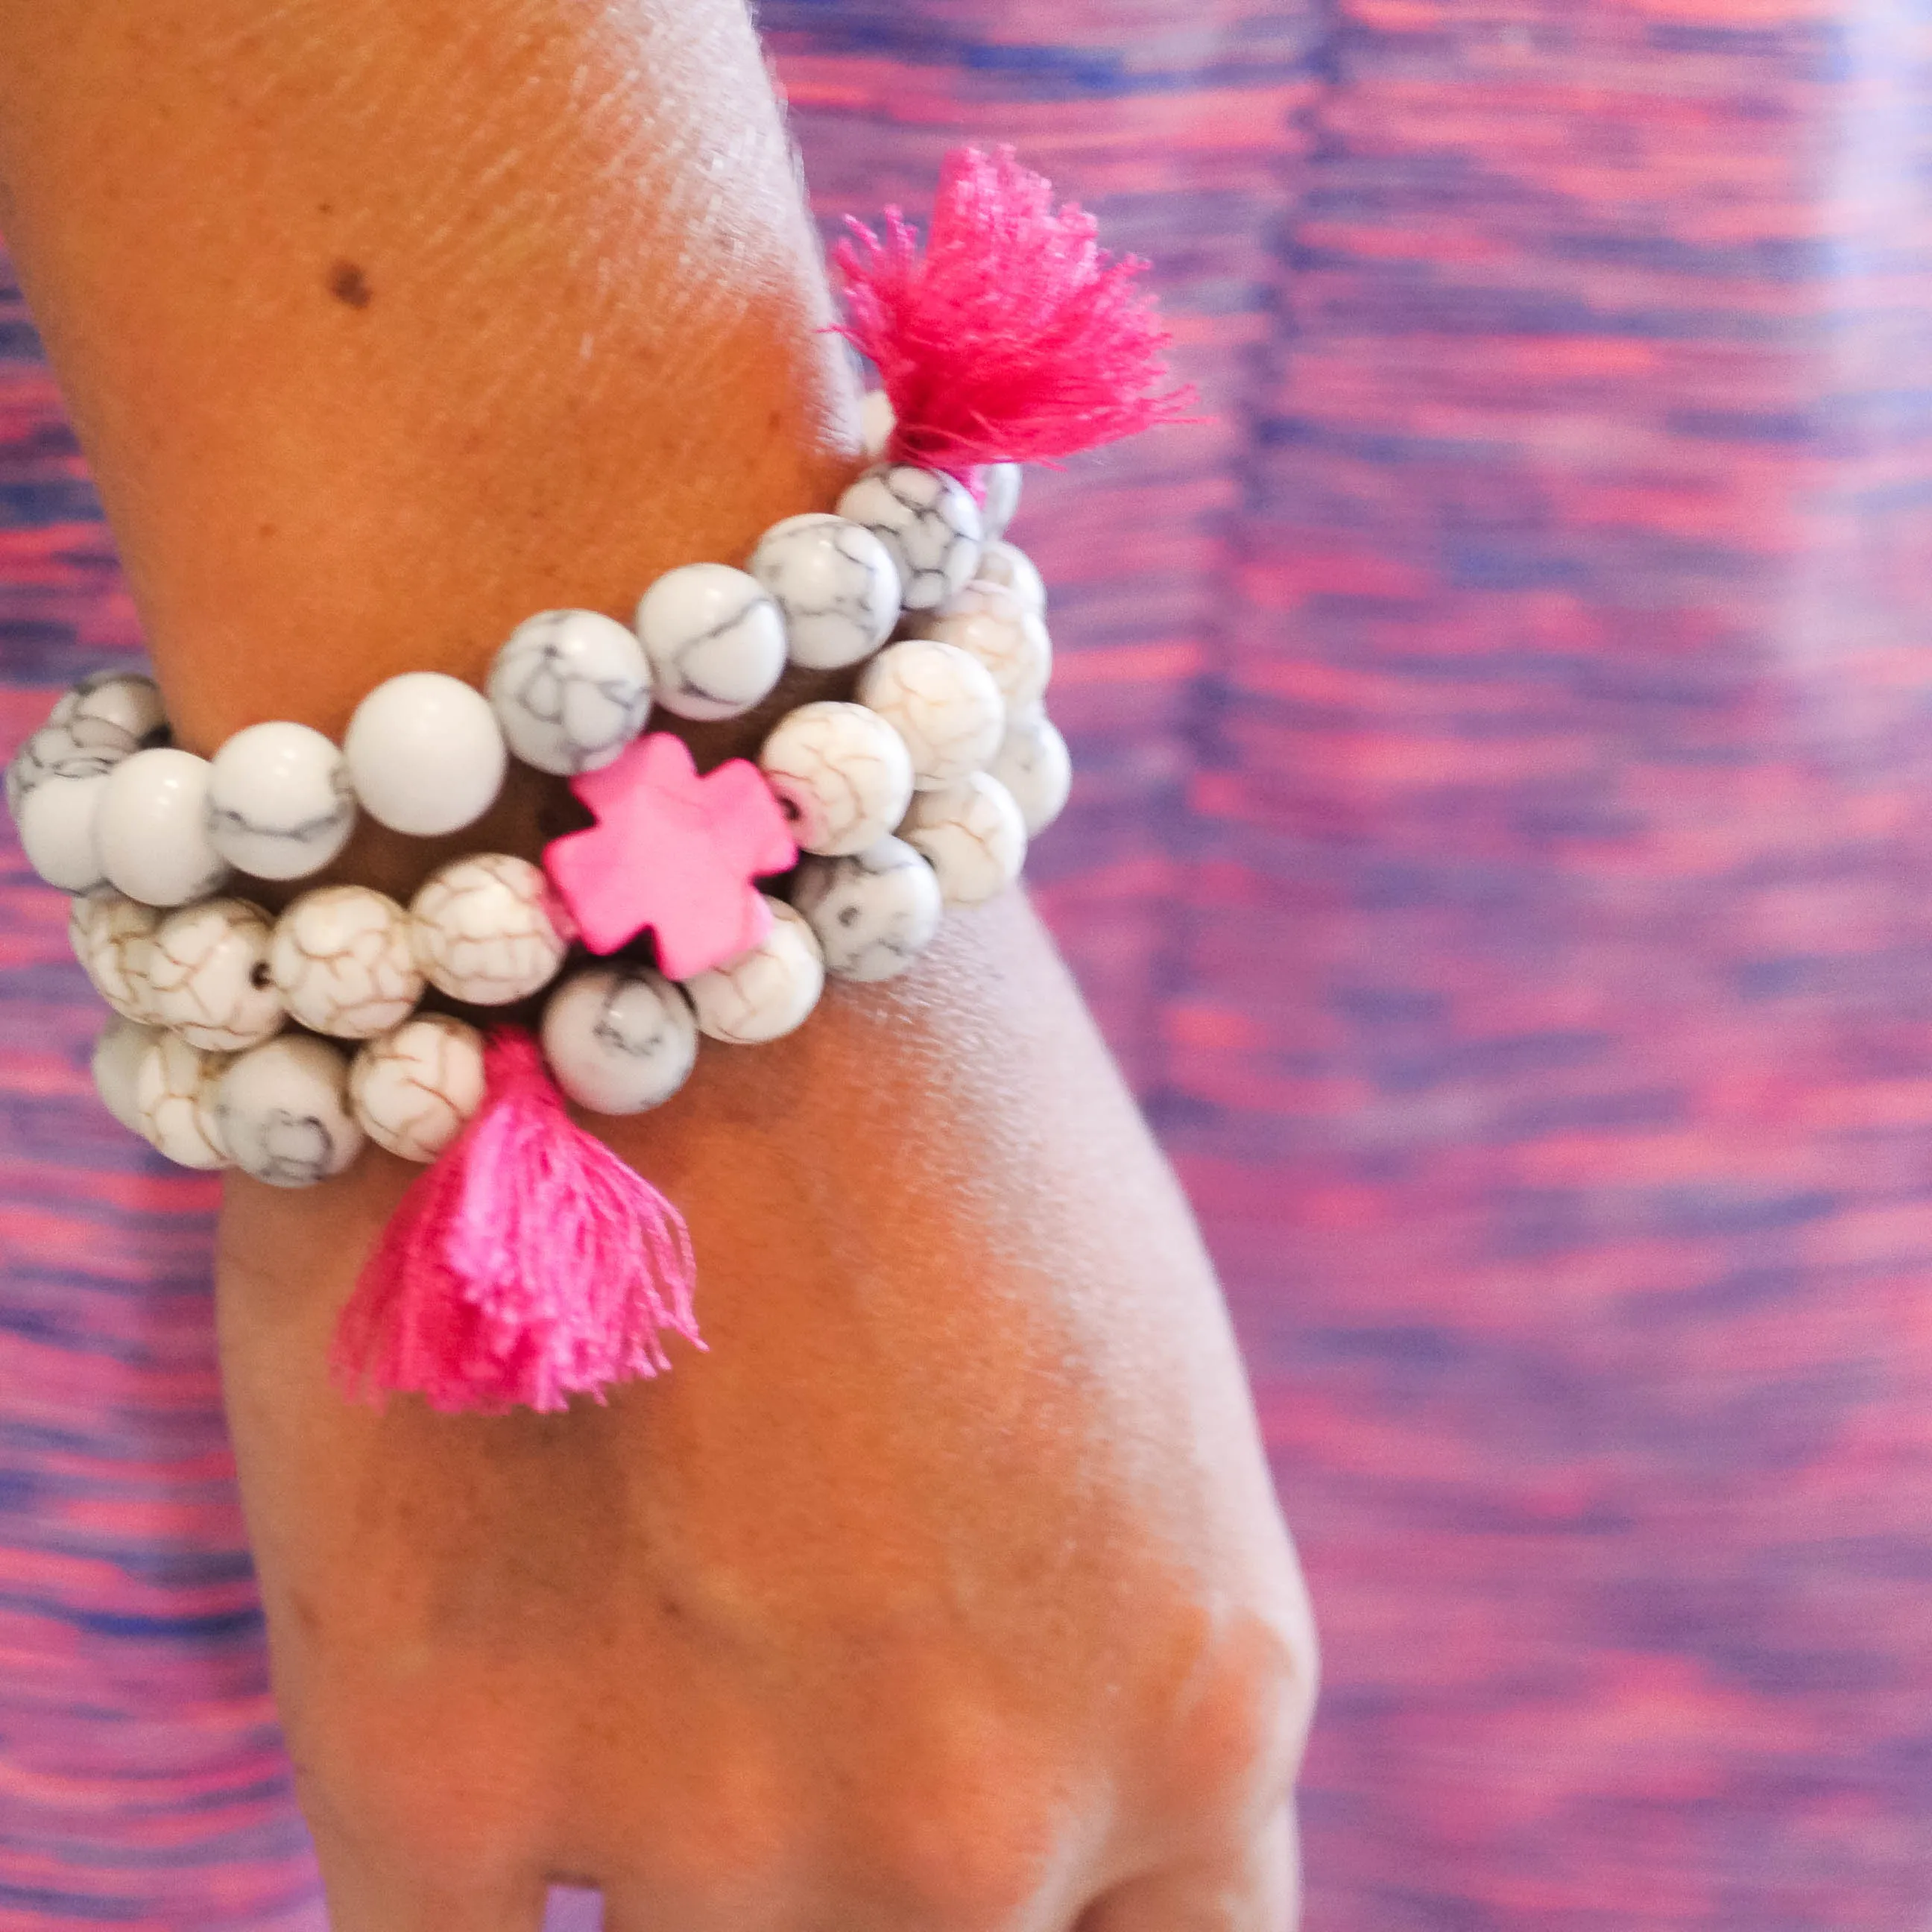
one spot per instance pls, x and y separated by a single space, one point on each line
384 326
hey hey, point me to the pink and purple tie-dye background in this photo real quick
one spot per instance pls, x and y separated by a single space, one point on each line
1503 858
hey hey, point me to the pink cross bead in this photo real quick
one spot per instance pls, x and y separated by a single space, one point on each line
674 852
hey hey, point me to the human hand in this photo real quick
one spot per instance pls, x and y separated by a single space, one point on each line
947 1589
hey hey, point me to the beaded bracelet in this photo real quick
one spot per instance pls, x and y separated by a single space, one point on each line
527 1264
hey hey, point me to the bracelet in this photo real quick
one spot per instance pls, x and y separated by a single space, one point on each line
526 1263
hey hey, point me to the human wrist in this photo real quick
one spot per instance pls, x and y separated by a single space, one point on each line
317 479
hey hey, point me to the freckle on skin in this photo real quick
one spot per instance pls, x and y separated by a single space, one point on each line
347 283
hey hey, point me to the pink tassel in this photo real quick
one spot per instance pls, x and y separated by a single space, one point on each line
1014 338
526 1265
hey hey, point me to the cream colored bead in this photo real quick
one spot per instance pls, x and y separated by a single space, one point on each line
412 1090
876 423
1002 484
283 1108
1034 766
112 937
342 961
972 835
943 702
175 1088
619 1039
1012 569
873 913
766 993
209 966
990 622
842 773
119 1050
488 929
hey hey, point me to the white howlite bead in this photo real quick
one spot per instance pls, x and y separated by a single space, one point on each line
113 938
209 967
280 804
1012 569
174 1090
1034 766
715 639
989 621
424 754
874 912
123 698
151 834
341 961
83 747
55 820
488 929
877 422
943 702
282 1109
412 1090
619 1039
973 836
1002 481
842 773
927 521
767 992
571 689
119 1050
835 584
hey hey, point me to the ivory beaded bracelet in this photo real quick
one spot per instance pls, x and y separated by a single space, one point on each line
234 1029
200 975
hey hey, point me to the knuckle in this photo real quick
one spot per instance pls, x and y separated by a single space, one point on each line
974 1833
1237 1726
365 1782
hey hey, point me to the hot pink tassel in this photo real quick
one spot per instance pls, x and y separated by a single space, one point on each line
526 1265
1014 338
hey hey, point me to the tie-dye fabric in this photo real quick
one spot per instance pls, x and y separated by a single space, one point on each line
1501 857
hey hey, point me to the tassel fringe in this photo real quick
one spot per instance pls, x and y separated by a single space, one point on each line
1013 337
526 1265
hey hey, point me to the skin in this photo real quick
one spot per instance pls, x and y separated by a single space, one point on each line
949 1588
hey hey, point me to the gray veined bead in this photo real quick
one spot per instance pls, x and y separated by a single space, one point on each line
715 638
927 521
125 698
571 689
619 1039
282 1110
280 803
836 584
874 912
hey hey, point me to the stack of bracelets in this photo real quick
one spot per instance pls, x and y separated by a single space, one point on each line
235 1028
278 1044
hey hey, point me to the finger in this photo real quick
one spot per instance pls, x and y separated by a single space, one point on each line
1256 1888
377 1894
